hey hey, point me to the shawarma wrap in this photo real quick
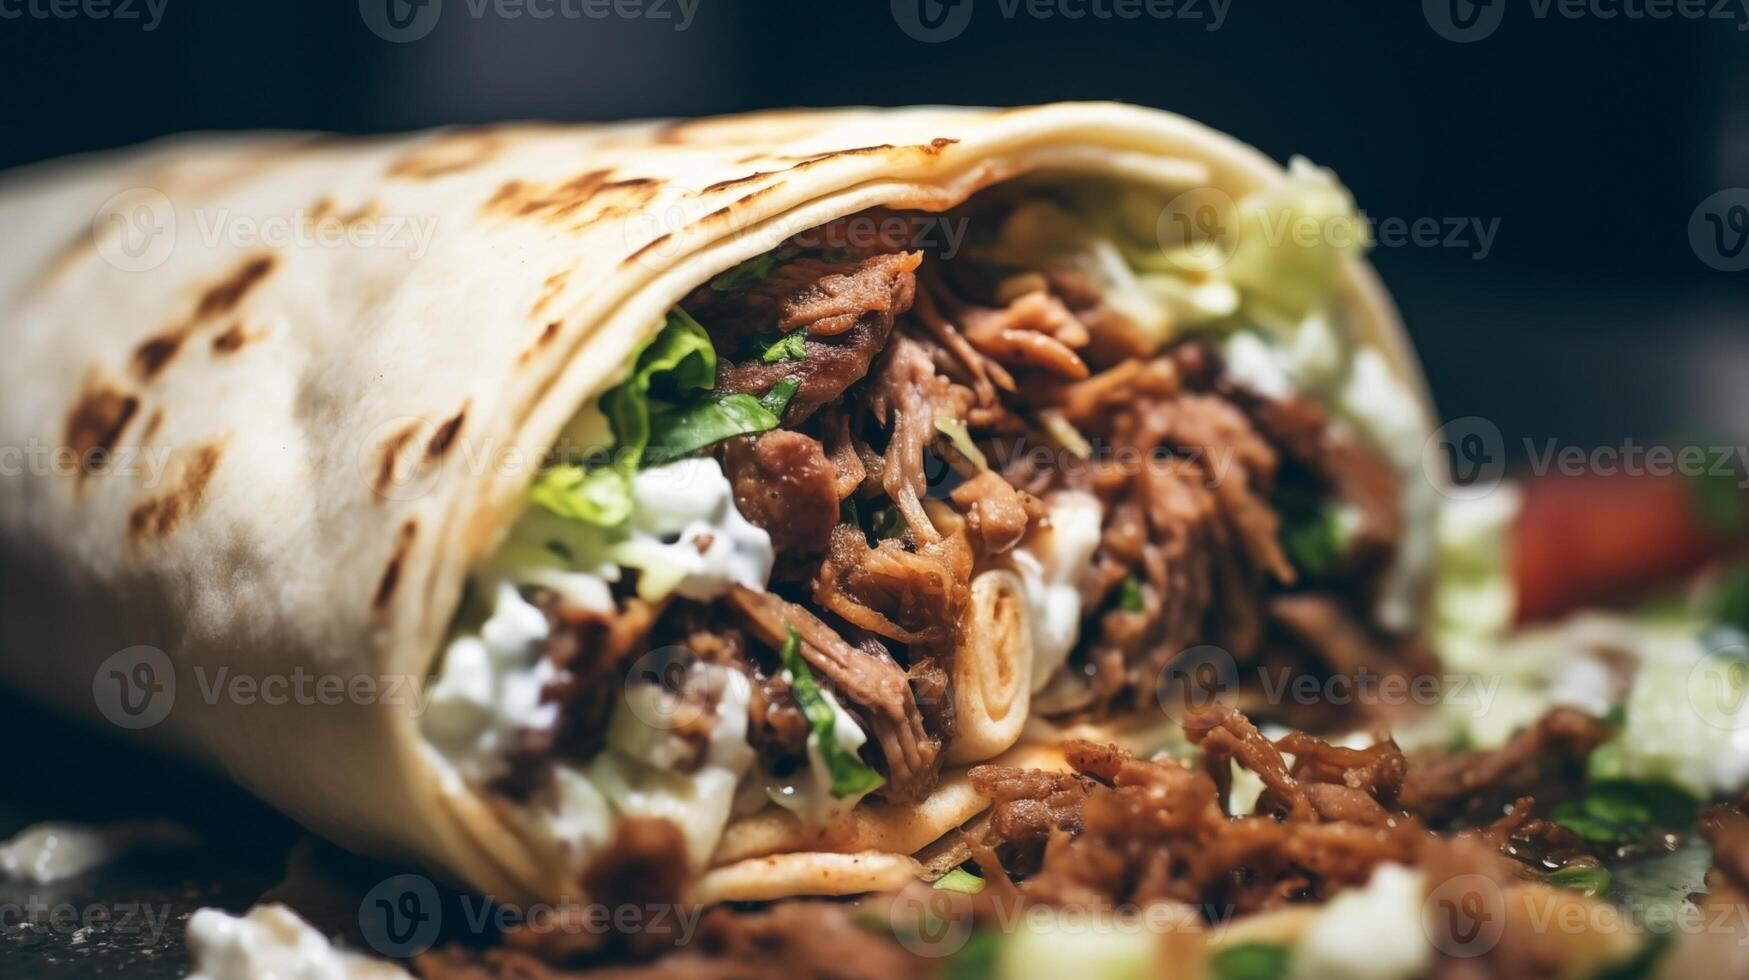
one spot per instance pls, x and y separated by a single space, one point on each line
476 496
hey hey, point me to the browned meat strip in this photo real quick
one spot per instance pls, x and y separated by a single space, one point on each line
1727 830
784 483
909 596
857 313
907 396
997 515
1551 753
1035 331
874 687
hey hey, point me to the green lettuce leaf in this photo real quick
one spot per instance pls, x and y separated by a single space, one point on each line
850 775
601 496
1251 961
680 360
1624 811
959 880
676 431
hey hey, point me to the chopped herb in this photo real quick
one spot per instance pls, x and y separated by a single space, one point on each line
1590 880
791 346
960 880
850 775
960 438
1314 543
777 399
1251 961
1623 811
1129 594
1313 531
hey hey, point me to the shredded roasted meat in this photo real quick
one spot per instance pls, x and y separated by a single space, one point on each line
847 309
866 679
784 483
1550 753
906 461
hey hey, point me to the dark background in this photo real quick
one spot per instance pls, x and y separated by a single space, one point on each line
1591 141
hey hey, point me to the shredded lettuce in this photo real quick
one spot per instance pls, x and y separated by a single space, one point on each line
601 497
959 880
680 359
1251 961
850 775
662 412
1293 241
1623 811
677 431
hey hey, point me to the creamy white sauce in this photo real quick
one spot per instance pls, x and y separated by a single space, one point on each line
50 852
808 794
1251 362
489 688
1052 562
688 538
632 772
272 943
1370 933
685 537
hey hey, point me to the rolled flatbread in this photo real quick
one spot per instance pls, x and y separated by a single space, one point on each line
365 470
